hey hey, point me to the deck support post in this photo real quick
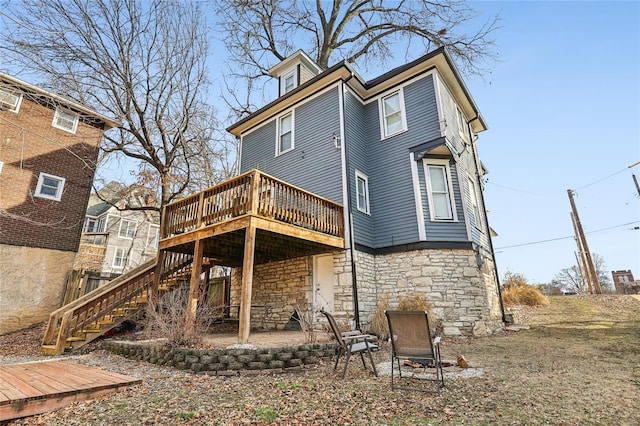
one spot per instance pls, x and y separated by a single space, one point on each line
194 285
244 326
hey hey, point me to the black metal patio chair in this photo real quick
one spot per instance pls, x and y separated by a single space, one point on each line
351 342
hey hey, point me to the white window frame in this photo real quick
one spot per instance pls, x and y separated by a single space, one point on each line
461 123
92 220
59 189
126 234
473 197
119 261
71 116
384 133
154 236
444 165
283 81
366 207
11 92
279 135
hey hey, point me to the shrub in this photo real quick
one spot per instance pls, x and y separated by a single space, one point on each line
413 302
165 317
523 294
379 325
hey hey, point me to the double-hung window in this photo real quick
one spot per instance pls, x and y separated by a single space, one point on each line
439 191
127 228
288 82
120 258
462 127
66 120
50 186
392 114
473 198
362 192
91 225
10 99
285 140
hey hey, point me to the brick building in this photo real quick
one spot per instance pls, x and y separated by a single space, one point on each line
48 151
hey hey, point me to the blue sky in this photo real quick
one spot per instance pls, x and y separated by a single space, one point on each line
563 108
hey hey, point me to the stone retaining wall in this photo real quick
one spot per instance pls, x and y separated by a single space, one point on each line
224 361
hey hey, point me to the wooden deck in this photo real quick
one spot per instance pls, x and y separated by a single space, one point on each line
34 388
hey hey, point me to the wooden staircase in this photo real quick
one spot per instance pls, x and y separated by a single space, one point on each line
91 316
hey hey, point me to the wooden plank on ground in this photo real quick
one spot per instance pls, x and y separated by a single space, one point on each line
28 389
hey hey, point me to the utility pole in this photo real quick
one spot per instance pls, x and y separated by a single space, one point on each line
590 269
582 263
635 179
580 273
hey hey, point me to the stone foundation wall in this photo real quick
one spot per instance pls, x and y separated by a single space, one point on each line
32 282
281 285
461 292
224 361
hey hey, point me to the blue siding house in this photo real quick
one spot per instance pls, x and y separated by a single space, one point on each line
399 153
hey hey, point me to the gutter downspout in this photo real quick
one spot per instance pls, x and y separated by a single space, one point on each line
354 278
486 220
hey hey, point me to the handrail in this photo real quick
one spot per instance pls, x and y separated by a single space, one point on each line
102 301
258 194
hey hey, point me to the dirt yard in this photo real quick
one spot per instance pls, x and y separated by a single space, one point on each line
577 365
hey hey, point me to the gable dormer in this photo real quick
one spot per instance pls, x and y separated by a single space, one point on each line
294 71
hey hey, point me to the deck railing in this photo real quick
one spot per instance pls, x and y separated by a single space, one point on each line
253 193
90 308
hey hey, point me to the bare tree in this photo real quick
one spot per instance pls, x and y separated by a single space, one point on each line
143 63
260 33
569 278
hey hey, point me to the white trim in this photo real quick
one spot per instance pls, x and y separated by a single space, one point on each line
59 189
152 236
394 88
452 202
1 165
473 198
293 72
278 135
382 116
422 233
59 114
460 122
11 91
436 88
270 119
463 183
126 236
343 164
115 256
361 176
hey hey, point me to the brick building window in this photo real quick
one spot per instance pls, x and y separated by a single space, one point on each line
66 120
10 99
50 187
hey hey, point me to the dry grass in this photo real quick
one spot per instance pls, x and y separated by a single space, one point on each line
577 365
527 295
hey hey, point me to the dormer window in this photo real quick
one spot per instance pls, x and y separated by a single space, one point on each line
288 82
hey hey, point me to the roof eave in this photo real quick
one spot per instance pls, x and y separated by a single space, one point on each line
109 123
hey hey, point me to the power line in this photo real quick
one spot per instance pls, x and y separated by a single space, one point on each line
567 237
510 189
604 178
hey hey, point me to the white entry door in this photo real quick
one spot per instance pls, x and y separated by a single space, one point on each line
322 284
